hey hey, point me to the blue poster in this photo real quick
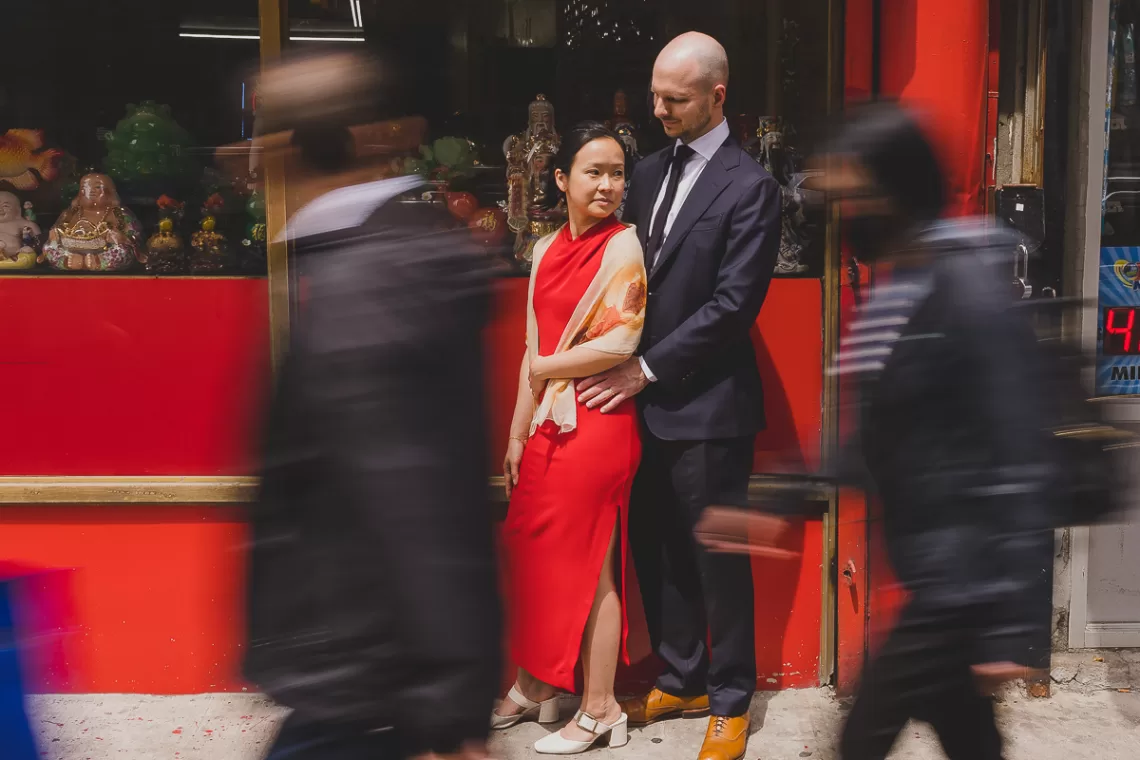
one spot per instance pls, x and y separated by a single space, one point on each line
1118 322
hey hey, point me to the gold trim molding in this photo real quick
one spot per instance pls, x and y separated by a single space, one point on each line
233 490
128 490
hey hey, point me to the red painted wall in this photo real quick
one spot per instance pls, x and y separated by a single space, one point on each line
151 598
132 376
933 57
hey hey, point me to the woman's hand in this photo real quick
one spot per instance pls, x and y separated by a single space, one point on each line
537 378
511 464
538 368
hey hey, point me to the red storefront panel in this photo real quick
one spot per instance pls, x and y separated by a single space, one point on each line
133 376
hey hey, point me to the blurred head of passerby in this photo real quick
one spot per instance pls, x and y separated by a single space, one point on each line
331 115
884 175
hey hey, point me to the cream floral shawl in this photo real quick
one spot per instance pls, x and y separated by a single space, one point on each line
609 319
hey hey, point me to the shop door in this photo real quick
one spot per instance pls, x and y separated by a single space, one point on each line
1105 608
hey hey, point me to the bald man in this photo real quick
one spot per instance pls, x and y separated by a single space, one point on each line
709 221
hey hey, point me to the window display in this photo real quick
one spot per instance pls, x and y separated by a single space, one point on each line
97 139
502 79
476 70
1118 356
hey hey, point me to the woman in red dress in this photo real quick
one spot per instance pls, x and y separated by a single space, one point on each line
568 468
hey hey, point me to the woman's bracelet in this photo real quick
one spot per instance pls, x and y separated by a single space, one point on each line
519 439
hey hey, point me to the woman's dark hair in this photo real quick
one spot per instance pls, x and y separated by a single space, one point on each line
888 141
573 141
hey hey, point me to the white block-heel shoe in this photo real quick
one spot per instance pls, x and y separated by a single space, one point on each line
543 712
614 736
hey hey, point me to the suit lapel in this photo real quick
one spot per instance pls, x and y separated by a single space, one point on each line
712 182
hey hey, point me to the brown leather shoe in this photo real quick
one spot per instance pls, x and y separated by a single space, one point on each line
727 738
657 705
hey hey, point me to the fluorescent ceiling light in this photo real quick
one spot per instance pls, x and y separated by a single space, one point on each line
357 17
258 37
327 39
221 36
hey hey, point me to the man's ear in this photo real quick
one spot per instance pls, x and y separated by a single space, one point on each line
720 94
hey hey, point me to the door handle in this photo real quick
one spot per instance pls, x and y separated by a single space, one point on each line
1021 287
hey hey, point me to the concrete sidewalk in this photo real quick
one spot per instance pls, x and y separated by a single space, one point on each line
1093 714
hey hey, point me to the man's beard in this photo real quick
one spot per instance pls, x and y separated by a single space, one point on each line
698 129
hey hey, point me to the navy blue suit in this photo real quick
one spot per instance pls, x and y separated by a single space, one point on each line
701 416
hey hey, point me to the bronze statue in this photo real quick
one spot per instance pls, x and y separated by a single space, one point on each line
621 123
626 130
772 152
528 157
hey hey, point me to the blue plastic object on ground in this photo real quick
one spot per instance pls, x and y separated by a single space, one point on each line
16 742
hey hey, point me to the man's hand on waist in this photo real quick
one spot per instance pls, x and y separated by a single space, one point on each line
610 388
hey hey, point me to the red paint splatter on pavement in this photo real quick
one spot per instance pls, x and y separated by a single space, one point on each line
176 731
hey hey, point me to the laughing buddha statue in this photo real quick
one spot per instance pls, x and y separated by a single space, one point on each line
96 233
17 235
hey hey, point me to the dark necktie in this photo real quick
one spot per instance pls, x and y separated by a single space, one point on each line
657 235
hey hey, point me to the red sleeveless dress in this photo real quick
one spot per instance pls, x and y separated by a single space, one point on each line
572 494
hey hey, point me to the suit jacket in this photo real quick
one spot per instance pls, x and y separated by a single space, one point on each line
372 591
705 292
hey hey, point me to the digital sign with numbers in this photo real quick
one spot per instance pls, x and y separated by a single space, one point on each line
1121 331
1118 328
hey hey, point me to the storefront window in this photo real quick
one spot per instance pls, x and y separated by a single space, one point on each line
1118 366
498 80
109 138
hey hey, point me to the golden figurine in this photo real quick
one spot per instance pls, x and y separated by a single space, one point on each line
96 233
166 251
528 157
210 251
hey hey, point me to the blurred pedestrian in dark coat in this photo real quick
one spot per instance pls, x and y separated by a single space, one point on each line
373 610
951 441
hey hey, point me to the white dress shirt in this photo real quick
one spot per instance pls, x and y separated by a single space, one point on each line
704 147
